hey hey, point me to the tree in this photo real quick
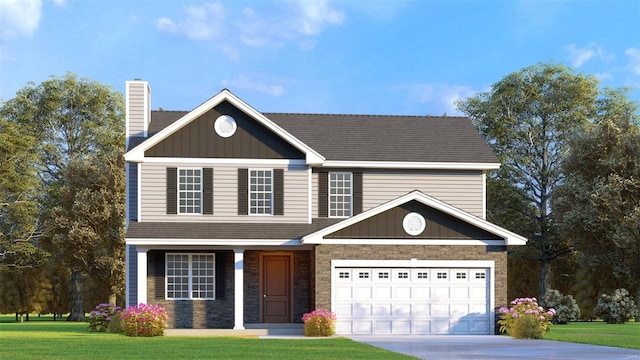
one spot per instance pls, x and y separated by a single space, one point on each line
75 121
599 202
526 118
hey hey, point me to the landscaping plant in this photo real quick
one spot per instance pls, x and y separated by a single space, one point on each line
616 308
101 316
525 319
566 307
319 323
144 320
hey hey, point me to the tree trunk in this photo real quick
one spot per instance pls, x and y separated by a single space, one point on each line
112 299
77 300
545 278
638 303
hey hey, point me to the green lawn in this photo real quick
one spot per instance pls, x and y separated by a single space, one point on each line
598 333
61 340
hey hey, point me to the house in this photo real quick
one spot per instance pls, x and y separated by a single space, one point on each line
238 218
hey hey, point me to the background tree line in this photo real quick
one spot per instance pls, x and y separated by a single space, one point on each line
569 182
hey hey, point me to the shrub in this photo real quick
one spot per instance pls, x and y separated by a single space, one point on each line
101 316
319 323
616 308
115 326
525 319
144 320
566 307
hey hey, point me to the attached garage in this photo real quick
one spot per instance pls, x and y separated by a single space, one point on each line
412 297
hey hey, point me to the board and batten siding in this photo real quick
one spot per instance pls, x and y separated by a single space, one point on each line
462 189
225 195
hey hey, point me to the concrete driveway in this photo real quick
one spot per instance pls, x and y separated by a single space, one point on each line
478 347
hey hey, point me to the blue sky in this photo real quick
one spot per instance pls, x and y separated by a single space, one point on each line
366 57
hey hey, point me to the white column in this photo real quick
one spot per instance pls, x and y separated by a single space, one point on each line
142 275
238 286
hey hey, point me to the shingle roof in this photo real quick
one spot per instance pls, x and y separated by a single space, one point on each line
392 138
245 231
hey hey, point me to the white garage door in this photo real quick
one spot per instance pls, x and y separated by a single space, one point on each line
412 300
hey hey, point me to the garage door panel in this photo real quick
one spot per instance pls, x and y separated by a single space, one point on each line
411 301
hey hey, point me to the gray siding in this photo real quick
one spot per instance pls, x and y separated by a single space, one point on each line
462 189
132 274
132 195
137 108
225 195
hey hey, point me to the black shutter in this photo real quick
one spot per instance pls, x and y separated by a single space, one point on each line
156 263
220 275
357 193
243 192
207 191
172 191
278 192
323 194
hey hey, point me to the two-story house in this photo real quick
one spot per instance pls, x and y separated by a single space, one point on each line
238 217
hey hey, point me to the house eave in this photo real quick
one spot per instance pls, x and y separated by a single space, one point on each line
410 165
448 242
151 242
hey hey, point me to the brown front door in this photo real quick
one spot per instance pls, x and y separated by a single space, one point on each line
276 288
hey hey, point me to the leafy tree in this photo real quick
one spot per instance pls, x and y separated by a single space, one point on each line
76 121
526 118
599 202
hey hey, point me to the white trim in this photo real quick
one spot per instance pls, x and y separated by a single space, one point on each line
224 161
410 165
510 238
449 242
309 195
137 153
484 195
127 283
415 263
208 242
142 275
238 288
139 191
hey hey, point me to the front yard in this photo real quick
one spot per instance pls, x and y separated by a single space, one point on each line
598 333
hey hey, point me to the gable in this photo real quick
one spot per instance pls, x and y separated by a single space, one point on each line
389 225
198 139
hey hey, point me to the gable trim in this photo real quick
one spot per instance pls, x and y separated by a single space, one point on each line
137 154
510 238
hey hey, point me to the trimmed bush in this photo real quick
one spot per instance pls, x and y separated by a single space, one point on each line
114 325
319 323
566 307
525 319
616 308
144 320
101 316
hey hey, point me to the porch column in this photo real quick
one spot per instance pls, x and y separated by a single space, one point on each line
141 275
238 288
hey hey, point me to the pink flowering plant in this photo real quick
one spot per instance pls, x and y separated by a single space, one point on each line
525 319
101 316
319 323
144 320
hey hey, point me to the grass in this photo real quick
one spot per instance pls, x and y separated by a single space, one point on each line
598 333
39 339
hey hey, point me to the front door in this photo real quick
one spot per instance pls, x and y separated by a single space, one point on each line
276 288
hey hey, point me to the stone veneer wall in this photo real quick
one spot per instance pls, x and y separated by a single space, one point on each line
323 254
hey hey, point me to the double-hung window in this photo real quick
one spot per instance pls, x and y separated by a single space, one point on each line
260 192
190 276
340 194
189 191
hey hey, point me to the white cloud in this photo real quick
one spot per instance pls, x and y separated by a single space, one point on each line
579 56
60 2
634 60
265 86
19 17
440 98
313 16
205 22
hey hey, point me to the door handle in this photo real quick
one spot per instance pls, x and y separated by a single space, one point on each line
264 295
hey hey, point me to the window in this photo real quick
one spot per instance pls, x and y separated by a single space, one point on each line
189 191
441 275
340 194
344 275
461 275
190 276
423 275
480 276
260 192
403 275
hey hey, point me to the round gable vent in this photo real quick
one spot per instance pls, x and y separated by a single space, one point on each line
414 224
225 126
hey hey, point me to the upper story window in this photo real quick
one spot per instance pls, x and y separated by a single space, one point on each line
260 192
189 191
340 194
